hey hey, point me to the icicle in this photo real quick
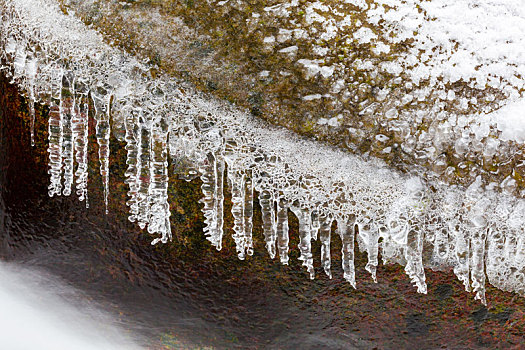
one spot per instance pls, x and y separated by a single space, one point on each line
211 168
268 218
413 255
143 175
68 143
305 237
478 227
80 135
236 179
211 178
219 198
441 245
32 116
207 170
462 253
159 221
133 147
346 230
325 228
370 236
101 100
315 224
468 239
55 136
409 225
31 69
240 181
282 230
20 61
248 212
495 256
499 230
477 263
184 148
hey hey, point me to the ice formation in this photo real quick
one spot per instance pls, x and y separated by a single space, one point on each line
408 219
419 84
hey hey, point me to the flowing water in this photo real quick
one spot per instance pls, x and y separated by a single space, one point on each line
41 312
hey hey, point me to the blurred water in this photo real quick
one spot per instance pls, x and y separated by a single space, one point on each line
39 311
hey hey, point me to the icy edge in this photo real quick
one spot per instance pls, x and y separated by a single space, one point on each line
56 59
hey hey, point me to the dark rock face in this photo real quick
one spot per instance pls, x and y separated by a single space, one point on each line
184 294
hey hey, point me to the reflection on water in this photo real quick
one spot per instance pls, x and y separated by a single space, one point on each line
41 312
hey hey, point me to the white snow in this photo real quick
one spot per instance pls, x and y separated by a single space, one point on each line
489 35
290 50
510 120
364 35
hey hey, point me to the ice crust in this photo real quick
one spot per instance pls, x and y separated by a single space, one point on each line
404 94
476 231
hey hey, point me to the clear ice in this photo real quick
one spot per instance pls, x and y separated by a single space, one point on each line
414 220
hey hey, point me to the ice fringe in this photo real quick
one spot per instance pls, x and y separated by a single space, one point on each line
57 60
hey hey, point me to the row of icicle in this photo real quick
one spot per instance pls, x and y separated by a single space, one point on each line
56 60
